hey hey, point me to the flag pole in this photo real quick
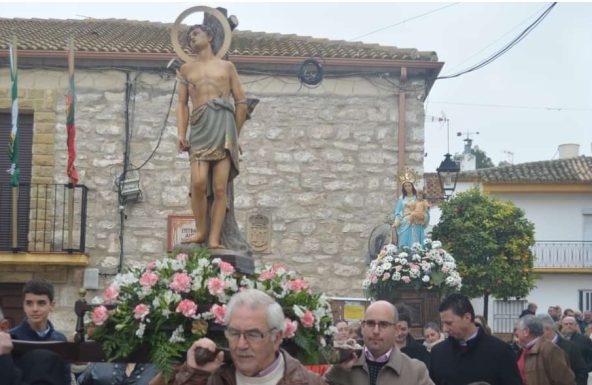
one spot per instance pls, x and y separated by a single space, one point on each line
13 144
70 121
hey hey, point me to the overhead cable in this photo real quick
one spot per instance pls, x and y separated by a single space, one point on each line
505 49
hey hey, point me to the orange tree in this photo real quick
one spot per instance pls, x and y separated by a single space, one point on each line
490 240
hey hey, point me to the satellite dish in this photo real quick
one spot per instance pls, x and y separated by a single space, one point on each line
380 236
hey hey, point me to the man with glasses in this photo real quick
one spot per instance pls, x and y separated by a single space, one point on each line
254 330
469 354
382 363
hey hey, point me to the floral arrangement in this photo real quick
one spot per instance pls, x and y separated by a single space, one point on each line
168 304
428 266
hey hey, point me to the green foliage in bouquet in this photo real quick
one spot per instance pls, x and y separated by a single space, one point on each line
163 307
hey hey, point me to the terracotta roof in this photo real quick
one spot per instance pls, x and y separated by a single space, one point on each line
123 36
571 170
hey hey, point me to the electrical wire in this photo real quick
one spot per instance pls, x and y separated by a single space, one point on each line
498 39
558 109
402 22
505 49
166 118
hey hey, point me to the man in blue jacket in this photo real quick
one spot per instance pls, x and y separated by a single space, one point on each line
469 354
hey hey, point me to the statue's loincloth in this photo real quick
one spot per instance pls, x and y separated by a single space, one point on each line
213 134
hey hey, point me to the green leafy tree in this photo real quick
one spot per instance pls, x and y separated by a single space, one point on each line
481 158
490 240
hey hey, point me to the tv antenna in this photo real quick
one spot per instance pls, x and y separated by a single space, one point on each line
468 139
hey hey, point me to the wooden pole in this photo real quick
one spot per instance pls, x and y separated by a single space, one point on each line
15 218
15 189
70 215
71 184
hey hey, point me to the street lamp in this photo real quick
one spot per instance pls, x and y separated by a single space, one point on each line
448 175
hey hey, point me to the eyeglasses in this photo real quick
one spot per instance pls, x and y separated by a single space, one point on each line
371 324
251 336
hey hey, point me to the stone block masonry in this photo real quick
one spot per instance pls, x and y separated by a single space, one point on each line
321 163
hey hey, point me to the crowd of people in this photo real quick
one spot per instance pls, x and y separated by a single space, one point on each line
547 349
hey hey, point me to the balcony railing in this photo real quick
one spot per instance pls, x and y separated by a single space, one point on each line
51 218
563 254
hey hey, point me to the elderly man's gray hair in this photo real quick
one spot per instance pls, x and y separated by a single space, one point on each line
255 299
533 324
546 320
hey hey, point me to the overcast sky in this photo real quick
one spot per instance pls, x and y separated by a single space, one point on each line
533 98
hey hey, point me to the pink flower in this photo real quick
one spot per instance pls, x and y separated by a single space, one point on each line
398 268
99 315
307 319
141 311
266 276
219 312
182 257
181 283
110 294
374 279
216 286
151 266
148 279
226 268
444 269
298 285
386 276
276 267
290 328
406 279
187 307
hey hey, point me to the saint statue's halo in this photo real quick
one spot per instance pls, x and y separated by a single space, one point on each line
213 12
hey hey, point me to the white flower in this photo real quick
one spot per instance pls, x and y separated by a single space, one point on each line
298 310
426 278
203 262
177 335
126 279
178 265
140 331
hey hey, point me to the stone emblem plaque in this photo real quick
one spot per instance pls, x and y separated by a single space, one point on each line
259 233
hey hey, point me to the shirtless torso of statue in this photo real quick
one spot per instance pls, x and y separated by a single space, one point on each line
203 80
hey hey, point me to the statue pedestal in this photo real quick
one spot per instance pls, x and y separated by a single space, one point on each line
420 305
242 261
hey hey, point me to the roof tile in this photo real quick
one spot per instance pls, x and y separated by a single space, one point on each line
121 35
570 170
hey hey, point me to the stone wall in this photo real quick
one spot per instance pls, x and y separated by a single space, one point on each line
320 163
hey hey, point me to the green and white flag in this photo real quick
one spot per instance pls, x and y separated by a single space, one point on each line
14 170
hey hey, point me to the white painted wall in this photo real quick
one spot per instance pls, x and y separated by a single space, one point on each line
557 217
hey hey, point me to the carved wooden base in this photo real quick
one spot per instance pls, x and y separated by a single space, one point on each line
420 305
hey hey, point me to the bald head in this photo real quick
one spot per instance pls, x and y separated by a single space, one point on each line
384 306
378 327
